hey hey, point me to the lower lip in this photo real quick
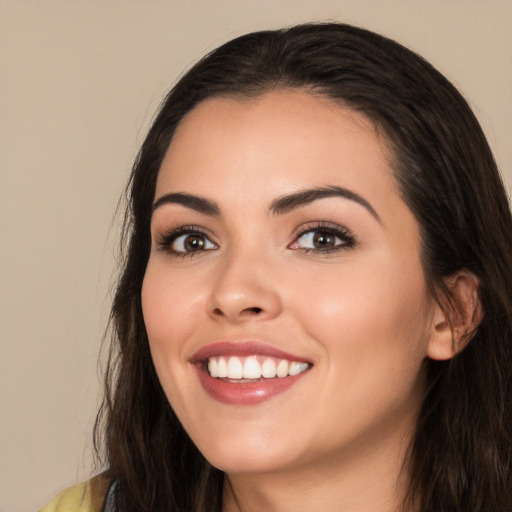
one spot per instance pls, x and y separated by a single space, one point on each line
246 393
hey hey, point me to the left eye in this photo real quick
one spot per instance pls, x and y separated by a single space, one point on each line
318 240
322 240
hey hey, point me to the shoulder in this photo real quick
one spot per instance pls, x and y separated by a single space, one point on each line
85 497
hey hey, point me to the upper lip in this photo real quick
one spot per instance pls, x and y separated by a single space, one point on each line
243 349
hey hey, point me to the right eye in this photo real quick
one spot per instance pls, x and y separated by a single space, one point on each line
191 243
184 241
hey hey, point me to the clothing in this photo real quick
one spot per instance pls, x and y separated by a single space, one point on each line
95 495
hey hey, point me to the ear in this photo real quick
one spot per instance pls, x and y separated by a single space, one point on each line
458 313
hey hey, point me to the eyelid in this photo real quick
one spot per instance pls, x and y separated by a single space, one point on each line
167 238
341 232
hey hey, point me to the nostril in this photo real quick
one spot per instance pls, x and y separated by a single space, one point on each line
254 310
245 312
250 311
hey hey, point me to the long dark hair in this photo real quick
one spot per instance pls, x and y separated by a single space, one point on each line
460 458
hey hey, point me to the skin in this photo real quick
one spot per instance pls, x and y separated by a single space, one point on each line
361 314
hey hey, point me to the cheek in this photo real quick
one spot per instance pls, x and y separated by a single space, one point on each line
373 330
381 317
170 309
170 316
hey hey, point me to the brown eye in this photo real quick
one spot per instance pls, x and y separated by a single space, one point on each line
191 242
319 239
194 243
322 239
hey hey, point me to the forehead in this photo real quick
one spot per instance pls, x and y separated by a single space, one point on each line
285 139
274 113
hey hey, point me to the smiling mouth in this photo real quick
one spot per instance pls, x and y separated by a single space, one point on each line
253 368
247 372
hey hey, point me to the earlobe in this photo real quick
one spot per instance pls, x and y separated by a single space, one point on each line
458 313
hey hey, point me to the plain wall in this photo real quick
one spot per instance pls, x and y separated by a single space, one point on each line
79 84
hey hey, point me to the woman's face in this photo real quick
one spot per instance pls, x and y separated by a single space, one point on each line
281 246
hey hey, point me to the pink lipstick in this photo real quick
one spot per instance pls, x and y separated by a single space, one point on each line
247 373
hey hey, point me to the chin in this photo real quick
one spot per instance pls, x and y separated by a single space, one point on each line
246 464
249 455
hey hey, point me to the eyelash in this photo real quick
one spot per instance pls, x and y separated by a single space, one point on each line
347 239
166 241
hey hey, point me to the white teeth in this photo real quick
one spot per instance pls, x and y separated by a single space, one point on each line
235 368
251 368
296 368
282 368
213 367
222 368
268 369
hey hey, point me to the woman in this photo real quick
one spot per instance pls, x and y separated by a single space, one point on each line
315 308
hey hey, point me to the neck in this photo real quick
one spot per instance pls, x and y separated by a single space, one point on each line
362 479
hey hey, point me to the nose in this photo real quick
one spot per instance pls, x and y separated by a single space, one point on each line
244 290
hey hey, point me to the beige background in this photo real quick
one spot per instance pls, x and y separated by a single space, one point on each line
79 84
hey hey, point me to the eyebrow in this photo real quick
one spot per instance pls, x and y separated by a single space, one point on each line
279 206
290 202
197 203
